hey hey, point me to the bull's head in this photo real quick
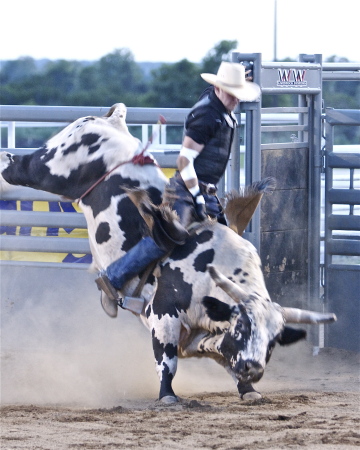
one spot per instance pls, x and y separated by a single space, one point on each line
253 327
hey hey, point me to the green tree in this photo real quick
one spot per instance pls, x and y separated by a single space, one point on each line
220 52
120 79
179 85
116 77
212 60
58 82
86 93
17 70
174 85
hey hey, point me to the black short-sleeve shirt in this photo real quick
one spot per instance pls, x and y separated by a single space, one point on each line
205 118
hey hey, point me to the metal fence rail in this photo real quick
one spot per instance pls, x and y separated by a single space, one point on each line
342 235
336 244
16 220
285 120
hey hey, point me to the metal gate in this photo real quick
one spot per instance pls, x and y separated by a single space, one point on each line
341 278
289 151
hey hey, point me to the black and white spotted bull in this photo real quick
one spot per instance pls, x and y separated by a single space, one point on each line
208 297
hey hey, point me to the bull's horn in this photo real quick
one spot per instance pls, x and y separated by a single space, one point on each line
233 290
295 315
119 109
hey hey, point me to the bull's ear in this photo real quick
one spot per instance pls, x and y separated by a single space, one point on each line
216 309
291 335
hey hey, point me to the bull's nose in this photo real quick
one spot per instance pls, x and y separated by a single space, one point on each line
249 370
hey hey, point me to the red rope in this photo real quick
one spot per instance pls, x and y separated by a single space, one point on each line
139 159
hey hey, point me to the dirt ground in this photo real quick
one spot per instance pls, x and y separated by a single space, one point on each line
308 402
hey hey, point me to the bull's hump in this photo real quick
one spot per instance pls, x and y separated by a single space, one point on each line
192 245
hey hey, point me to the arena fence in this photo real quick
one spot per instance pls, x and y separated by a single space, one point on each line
341 278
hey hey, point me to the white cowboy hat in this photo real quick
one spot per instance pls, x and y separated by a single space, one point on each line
231 79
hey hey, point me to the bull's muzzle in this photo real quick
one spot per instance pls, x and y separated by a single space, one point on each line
249 371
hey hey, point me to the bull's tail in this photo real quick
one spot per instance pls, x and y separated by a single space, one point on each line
240 206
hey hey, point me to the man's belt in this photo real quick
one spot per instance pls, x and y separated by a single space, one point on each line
207 188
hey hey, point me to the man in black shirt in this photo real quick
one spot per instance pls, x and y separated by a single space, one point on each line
209 132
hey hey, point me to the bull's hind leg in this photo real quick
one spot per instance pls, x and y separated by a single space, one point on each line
166 356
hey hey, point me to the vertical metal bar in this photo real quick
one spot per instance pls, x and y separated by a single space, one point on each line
314 208
256 172
235 155
329 133
253 165
315 200
163 134
303 136
11 135
351 186
144 134
252 142
155 134
248 149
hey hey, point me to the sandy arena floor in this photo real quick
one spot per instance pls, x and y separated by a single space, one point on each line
308 402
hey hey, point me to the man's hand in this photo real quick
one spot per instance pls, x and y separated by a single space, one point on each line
248 75
200 207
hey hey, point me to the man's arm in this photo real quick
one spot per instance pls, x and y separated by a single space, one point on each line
190 150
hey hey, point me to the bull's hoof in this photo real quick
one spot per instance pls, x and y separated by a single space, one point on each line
169 400
253 395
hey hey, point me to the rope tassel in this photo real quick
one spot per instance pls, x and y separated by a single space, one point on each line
240 206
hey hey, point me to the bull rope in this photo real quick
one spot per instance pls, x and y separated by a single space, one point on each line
139 159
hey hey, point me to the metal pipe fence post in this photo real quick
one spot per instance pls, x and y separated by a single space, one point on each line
252 142
315 164
11 135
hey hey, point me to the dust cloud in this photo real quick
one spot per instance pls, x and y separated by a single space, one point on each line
70 352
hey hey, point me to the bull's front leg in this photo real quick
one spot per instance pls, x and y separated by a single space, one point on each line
165 337
246 390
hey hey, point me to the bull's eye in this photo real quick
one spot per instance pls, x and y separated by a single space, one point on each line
239 328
